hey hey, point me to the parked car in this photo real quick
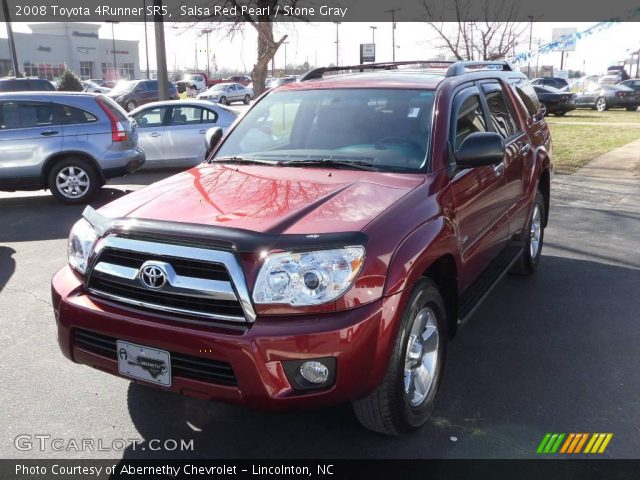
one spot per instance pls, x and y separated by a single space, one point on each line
70 143
226 93
94 87
555 101
277 82
632 84
328 249
555 82
25 85
172 133
603 97
619 71
130 94
243 80
99 81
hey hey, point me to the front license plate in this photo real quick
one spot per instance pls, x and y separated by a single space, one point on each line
144 363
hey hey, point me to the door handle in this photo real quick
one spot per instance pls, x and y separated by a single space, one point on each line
499 168
525 149
155 134
48 133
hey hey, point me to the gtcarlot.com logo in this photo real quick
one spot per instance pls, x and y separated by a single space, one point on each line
574 443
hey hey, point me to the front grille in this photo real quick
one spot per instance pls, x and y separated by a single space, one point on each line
200 285
182 266
194 305
185 366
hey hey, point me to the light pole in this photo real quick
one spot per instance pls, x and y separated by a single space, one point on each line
12 43
146 38
161 52
337 43
393 30
285 56
373 34
207 32
530 39
113 47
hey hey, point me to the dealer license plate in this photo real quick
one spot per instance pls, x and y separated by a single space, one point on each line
144 363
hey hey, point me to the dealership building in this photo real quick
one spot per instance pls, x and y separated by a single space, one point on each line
51 47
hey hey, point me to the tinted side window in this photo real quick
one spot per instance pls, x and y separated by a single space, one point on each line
152 86
40 85
186 115
26 115
529 97
470 120
501 117
151 118
73 115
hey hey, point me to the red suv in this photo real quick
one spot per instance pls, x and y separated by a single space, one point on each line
326 251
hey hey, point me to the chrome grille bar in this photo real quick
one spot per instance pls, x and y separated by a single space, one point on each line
236 290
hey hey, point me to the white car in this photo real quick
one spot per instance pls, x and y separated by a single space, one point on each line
226 93
94 87
172 132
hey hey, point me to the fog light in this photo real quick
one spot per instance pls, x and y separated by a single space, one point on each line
314 372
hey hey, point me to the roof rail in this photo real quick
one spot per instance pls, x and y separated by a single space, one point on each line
458 68
318 73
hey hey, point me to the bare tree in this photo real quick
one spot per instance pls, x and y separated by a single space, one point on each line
262 19
476 33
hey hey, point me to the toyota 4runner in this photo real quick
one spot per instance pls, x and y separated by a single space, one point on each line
328 248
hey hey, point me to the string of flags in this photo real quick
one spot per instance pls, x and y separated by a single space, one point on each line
567 41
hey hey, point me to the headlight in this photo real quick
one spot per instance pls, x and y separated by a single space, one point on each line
307 278
81 240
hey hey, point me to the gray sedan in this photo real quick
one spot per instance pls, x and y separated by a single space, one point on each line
226 93
172 132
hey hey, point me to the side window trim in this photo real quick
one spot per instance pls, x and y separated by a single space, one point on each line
460 97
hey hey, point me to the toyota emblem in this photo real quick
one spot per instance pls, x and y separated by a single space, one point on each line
153 276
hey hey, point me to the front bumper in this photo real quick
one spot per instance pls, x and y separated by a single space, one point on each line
359 339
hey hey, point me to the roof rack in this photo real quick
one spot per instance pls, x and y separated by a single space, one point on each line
317 73
459 68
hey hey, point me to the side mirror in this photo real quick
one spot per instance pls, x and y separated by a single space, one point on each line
212 138
479 149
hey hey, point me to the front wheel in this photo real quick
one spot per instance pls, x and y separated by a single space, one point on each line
530 258
559 114
631 109
404 400
130 106
601 104
224 101
246 99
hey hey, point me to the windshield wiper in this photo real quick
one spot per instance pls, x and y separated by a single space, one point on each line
329 162
243 160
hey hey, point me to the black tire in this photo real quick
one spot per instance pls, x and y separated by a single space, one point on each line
601 104
559 114
632 109
247 99
130 106
387 409
224 101
528 263
79 165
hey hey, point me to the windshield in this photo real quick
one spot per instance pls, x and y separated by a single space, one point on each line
122 87
386 128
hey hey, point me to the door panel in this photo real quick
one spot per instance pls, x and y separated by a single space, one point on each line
184 136
30 132
151 130
477 193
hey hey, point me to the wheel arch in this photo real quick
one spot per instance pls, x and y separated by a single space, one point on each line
544 185
59 156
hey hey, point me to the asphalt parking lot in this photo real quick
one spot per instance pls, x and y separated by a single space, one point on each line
556 352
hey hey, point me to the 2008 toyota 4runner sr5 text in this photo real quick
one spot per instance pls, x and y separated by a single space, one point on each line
328 248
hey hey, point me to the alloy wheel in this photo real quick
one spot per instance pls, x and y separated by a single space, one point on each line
535 232
421 358
73 182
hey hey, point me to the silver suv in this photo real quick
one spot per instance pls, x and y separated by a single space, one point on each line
70 143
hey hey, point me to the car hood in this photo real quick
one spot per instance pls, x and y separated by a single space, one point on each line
268 199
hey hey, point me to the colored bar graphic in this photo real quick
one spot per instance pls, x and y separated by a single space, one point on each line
556 443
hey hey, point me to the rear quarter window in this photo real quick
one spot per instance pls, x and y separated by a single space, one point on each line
73 116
